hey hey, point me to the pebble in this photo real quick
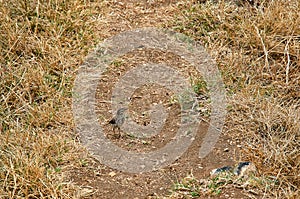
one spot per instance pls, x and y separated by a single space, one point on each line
112 174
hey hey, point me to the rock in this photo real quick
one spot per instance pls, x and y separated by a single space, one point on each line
112 174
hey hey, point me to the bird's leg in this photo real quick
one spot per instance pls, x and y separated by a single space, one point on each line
119 133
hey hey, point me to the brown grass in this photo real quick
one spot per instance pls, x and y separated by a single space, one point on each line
41 45
258 51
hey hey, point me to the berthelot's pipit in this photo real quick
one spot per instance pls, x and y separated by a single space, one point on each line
118 120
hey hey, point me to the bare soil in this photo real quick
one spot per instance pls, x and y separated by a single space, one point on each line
104 182
110 183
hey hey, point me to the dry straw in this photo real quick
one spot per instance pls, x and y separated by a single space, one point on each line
43 42
41 45
258 51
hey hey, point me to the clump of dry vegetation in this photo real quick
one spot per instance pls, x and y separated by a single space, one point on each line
257 49
41 45
43 42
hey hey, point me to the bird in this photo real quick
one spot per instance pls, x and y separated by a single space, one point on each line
118 120
241 169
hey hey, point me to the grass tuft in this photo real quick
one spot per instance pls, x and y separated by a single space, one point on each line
257 49
41 45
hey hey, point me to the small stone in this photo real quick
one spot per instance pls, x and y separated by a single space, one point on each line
112 174
226 150
86 191
97 173
202 181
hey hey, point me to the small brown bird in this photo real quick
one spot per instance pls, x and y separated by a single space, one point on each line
118 120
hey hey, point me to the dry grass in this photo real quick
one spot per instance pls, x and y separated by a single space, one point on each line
41 45
258 51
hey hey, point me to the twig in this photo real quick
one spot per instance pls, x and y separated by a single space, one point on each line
287 69
264 48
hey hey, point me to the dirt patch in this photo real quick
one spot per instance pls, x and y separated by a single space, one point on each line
142 100
110 183
101 181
